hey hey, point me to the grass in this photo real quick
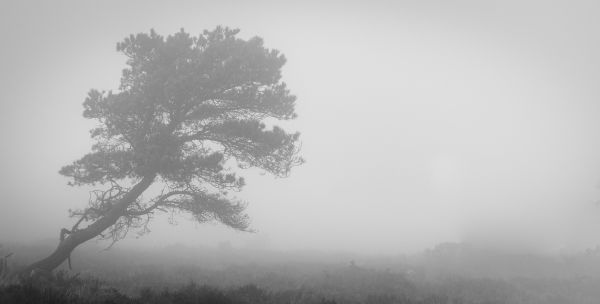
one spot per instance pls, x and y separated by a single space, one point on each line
132 277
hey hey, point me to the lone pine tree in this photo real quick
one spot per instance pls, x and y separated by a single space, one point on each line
188 110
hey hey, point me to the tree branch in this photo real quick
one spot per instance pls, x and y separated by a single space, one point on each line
160 202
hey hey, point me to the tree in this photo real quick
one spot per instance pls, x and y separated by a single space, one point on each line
188 110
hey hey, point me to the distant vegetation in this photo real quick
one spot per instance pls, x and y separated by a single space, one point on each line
450 273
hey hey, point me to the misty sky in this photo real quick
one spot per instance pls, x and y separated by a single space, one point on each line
422 121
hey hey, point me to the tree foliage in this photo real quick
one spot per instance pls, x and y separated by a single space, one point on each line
187 109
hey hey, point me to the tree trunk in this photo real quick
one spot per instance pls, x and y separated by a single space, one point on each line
64 249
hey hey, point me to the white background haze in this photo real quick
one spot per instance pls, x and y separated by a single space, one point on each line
422 121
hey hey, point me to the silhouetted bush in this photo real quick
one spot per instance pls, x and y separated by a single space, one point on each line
303 281
90 291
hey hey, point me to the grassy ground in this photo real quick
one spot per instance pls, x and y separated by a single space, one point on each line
204 276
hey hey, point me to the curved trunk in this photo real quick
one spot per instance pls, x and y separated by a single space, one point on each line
64 249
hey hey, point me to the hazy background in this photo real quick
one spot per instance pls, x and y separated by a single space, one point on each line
422 121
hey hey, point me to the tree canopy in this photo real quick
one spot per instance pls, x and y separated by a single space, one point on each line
189 109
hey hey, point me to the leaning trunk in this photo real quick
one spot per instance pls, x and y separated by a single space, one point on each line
65 247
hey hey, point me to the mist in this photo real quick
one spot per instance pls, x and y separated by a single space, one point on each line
422 122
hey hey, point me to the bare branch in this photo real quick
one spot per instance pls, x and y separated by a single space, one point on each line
161 201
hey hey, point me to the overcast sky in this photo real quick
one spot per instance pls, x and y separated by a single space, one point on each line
422 121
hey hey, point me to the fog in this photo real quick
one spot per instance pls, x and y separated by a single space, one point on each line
422 122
